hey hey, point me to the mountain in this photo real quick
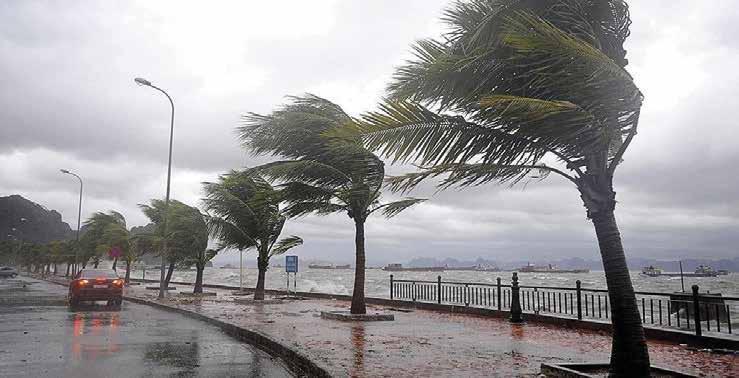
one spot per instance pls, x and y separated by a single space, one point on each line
424 262
28 221
636 263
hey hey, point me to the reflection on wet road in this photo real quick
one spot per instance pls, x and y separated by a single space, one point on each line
40 337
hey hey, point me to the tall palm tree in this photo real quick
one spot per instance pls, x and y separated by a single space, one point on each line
187 233
323 174
515 84
246 214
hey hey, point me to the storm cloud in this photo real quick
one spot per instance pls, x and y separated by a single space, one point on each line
67 100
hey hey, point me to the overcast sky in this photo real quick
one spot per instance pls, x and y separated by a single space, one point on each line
68 100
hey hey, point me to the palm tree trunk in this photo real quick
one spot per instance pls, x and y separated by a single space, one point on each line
262 264
128 272
95 263
115 263
199 278
629 353
169 275
358 305
55 268
68 267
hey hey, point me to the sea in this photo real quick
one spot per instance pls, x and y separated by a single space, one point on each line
377 281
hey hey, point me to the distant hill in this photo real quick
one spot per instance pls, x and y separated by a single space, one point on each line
424 262
30 222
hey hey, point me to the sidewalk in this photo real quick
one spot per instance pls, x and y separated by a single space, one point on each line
427 343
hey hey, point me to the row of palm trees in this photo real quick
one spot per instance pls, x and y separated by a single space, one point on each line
515 89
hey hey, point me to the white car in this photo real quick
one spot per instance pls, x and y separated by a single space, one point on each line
7 271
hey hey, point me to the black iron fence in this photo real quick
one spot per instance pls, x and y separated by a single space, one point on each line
694 311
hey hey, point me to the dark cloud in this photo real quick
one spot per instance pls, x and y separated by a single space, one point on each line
68 100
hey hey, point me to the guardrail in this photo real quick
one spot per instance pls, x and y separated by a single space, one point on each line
692 311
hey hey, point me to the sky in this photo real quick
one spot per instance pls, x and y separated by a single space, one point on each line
68 100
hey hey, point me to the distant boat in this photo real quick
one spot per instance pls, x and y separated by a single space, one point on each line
700 271
399 268
531 268
228 266
331 266
705 271
651 271
722 272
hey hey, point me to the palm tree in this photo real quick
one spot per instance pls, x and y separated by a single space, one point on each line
187 233
323 175
200 260
246 214
515 84
103 232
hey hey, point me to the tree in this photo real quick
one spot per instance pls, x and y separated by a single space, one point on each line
200 259
513 85
244 213
61 251
140 243
103 231
187 234
324 174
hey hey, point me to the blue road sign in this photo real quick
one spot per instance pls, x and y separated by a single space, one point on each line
291 264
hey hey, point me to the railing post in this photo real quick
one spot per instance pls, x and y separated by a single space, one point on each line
391 287
500 307
413 291
438 289
696 312
579 299
515 301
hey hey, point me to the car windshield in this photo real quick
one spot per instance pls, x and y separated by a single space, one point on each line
98 273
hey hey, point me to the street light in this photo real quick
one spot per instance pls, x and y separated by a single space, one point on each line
79 219
147 83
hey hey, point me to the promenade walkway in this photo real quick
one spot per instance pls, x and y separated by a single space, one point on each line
428 343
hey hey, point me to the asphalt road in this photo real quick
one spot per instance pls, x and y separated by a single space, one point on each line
41 337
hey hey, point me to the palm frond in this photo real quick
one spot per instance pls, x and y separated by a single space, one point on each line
408 131
465 175
286 244
301 208
392 209
310 172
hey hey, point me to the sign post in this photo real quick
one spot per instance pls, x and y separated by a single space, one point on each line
291 266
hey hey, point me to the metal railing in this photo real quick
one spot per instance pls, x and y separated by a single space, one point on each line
693 311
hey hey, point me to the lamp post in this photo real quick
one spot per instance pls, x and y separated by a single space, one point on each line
147 83
79 219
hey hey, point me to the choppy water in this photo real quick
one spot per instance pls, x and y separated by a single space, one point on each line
377 284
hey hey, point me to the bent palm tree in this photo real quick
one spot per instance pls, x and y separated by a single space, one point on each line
246 214
187 234
103 231
517 83
324 175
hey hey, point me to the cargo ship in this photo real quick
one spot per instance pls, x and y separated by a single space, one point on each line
700 271
400 268
531 268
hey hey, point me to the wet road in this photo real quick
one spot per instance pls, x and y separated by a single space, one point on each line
40 337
